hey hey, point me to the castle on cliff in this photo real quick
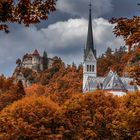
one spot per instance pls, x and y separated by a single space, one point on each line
35 61
32 62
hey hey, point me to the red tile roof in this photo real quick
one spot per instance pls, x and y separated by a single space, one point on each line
36 52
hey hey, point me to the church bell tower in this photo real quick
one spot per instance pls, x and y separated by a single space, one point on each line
90 62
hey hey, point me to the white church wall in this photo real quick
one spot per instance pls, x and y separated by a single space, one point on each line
118 93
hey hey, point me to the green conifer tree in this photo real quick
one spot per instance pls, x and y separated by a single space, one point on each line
45 60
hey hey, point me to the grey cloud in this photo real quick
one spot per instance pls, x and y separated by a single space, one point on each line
124 8
53 18
104 8
64 34
80 7
67 9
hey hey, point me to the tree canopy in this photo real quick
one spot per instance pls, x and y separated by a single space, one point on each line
57 109
129 29
29 118
45 60
24 11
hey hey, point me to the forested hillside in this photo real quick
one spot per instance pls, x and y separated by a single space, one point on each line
121 61
55 108
59 82
61 77
66 114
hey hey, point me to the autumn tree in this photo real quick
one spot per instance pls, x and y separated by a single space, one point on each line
129 29
29 118
29 75
104 62
60 82
24 11
20 88
87 117
133 65
126 118
10 92
134 72
112 60
65 83
45 77
35 89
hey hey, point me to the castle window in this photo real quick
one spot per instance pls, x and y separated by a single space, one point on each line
93 68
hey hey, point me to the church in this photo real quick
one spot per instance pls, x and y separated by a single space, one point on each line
91 82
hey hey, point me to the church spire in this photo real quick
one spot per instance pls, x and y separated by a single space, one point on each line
90 42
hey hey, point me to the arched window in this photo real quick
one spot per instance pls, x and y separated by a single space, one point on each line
90 68
93 68
87 68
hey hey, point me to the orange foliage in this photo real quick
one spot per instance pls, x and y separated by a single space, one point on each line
134 72
119 61
129 29
87 117
126 118
10 92
55 109
29 118
65 83
97 115
35 89
58 82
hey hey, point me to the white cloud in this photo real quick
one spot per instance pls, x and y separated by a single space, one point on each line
80 7
65 39
72 33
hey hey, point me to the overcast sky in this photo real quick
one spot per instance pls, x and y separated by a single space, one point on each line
64 33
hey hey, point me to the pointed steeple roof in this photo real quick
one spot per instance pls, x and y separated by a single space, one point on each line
90 42
36 52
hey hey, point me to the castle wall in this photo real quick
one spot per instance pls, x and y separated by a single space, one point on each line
35 62
50 62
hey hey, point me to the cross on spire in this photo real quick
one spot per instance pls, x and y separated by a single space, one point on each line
90 5
90 41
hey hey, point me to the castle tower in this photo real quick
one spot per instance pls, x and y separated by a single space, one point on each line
89 64
37 64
